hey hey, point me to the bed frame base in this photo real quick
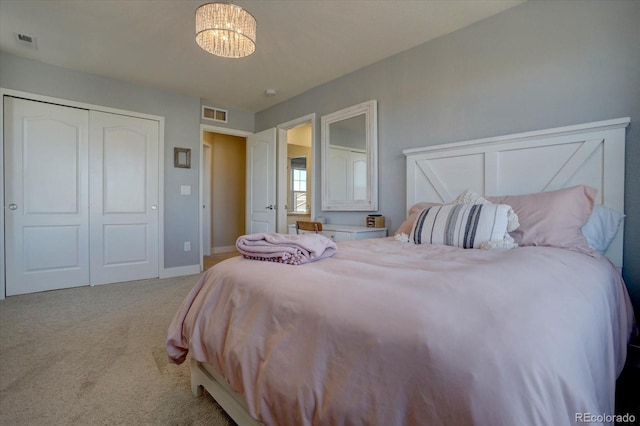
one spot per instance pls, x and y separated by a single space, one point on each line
219 389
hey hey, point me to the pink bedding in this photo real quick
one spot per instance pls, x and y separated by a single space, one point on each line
390 333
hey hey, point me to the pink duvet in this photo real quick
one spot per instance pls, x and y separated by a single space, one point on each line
391 333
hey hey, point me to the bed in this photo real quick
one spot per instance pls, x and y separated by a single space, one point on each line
389 332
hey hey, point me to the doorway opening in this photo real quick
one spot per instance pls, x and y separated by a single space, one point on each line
296 180
222 192
301 133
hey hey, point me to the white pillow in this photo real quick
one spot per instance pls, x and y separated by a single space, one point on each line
507 241
461 225
602 227
471 197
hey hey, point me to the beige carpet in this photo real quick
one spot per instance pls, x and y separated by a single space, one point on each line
96 356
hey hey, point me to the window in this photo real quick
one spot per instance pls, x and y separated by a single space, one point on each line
299 185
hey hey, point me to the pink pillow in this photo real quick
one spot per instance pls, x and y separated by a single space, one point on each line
414 211
553 218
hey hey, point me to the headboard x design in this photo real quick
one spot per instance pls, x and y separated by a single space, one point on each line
545 160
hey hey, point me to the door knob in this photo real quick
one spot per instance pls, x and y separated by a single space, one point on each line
13 207
153 207
269 207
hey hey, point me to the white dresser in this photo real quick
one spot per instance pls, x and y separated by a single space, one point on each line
347 232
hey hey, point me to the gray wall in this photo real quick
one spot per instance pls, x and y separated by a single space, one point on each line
182 129
539 65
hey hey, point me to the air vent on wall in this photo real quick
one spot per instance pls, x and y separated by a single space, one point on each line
214 114
25 40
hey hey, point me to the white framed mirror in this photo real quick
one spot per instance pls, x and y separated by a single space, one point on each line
349 154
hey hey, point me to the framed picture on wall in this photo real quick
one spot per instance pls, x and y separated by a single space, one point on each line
182 158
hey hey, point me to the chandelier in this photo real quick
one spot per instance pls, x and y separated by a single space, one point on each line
226 30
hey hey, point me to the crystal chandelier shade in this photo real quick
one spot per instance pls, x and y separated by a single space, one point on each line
225 30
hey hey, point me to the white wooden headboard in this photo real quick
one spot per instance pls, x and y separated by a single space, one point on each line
524 163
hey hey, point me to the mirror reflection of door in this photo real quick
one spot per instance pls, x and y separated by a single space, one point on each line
299 173
348 159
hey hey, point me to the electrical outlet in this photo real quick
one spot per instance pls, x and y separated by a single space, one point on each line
187 246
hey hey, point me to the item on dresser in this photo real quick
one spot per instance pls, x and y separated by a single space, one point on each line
375 221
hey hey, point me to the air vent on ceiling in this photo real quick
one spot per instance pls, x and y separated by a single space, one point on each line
25 40
214 114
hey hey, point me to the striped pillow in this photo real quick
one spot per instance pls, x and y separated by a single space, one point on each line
460 225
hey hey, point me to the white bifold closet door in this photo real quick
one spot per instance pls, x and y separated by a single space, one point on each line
123 219
75 185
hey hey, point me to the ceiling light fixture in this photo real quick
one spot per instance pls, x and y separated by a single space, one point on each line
226 30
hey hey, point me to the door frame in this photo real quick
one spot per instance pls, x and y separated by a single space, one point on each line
83 105
224 131
205 184
281 168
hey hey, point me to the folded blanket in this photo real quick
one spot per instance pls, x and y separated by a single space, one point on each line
284 248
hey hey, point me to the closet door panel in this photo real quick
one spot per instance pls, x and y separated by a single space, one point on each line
46 194
124 198
125 171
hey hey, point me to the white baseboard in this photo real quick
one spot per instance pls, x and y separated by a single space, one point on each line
179 271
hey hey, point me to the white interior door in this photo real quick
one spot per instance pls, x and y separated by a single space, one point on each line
124 198
282 172
46 194
261 182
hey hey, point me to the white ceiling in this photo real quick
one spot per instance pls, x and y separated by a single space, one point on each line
300 43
